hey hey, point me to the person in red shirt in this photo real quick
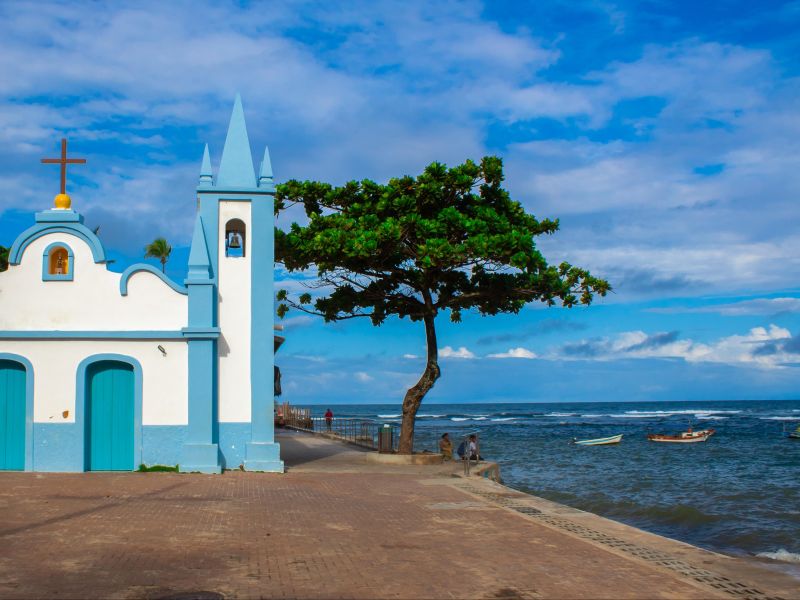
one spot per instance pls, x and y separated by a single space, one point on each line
328 418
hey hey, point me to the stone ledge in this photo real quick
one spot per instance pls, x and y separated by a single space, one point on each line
404 459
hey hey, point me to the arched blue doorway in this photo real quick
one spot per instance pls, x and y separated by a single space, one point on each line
13 408
110 416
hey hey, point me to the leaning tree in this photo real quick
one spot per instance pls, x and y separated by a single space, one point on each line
449 240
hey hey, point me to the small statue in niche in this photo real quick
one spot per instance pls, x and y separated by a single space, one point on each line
59 265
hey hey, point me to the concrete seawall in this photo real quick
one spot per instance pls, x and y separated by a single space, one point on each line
337 526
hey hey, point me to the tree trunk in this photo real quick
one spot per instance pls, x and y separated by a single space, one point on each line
415 394
163 265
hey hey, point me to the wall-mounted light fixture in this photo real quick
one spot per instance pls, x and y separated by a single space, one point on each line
161 349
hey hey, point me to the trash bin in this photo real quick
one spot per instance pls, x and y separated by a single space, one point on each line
385 441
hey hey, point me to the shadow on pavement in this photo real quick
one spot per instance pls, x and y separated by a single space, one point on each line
301 448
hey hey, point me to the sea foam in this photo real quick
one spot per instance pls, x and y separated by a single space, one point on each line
781 554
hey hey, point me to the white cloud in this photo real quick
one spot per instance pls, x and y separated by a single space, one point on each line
462 352
733 349
297 322
758 306
365 99
410 356
308 357
363 377
514 353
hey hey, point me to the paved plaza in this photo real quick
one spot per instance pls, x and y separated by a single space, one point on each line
331 527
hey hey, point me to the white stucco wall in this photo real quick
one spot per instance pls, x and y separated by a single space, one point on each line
90 302
234 319
55 363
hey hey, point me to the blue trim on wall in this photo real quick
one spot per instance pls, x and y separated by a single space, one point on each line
209 213
80 402
59 448
202 302
201 451
133 269
262 352
162 444
201 333
234 195
233 440
29 381
92 335
263 454
69 275
49 225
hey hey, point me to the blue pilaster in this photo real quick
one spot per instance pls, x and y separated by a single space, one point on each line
262 453
201 451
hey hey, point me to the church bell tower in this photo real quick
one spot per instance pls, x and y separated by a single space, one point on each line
231 295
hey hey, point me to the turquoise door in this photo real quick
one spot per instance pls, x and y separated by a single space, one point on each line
12 416
109 405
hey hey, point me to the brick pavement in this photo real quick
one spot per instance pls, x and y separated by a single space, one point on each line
305 534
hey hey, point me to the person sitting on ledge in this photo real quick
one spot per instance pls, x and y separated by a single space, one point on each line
446 447
469 449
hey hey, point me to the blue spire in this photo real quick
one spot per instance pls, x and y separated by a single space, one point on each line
265 173
206 176
199 261
236 166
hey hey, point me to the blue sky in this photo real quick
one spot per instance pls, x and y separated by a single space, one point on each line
664 135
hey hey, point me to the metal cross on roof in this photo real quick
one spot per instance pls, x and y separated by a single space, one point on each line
64 161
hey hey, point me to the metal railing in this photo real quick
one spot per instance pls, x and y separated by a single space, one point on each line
383 437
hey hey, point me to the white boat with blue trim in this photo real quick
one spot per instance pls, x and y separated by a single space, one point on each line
614 439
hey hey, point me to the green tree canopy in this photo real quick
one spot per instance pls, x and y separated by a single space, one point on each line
160 249
449 240
3 258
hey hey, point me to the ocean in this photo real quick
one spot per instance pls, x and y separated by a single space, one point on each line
738 493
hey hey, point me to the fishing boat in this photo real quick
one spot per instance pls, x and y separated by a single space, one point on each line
614 439
685 437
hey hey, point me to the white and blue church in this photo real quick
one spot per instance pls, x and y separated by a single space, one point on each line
103 371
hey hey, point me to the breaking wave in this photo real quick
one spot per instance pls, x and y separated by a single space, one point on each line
781 554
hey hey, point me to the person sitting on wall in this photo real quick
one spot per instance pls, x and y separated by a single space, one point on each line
473 448
469 447
446 447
